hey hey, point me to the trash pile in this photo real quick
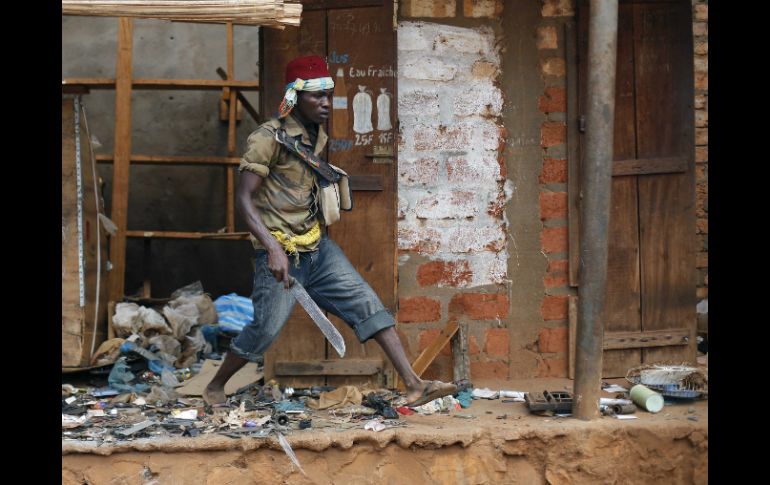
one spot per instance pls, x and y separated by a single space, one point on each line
171 337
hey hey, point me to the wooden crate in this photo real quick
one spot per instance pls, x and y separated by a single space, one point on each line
84 243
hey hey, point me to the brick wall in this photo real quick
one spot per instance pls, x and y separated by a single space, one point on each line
462 176
452 183
552 359
700 11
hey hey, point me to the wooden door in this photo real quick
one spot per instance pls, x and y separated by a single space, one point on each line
650 304
359 45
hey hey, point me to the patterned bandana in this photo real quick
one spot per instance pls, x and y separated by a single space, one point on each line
290 97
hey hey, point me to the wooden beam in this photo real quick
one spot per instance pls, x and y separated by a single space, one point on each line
147 266
461 367
122 154
573 154
366 182
244 102
230 184
173 159
163 84
646 166
346 367
644 339
427 356
188 235
572 334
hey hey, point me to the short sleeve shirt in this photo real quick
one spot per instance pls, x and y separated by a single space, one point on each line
286 201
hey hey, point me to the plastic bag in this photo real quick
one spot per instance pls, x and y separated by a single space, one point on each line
121 376
151 320
192 344
182 318
126 319
166 344
234 312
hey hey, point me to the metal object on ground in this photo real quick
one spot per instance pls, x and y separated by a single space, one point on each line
558 401
327 328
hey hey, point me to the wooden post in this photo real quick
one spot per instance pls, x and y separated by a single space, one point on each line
595 208
462 366
147 285
121 157
231 132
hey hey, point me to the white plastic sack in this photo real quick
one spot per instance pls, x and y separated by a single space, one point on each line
151 320
181 318
126 320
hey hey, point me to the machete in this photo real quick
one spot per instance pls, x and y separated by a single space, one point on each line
327 328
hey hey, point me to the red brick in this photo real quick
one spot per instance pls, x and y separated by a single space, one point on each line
418 309
473 345
553 133
702 80
422 240
552 340
701 136
553 205
554 171
557 8
547 37
422 171
554 308
496 342
489 370
553 101
552 368
442 138
444 273
427 337
479 306
556 274
701 154
553 67
554 239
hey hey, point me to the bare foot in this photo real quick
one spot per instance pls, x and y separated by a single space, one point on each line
214 395
427 391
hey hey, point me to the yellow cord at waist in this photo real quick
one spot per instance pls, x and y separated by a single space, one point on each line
290 243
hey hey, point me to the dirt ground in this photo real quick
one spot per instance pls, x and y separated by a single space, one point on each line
669 447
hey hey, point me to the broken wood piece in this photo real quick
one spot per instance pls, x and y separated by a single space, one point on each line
427 356
347 367
244 102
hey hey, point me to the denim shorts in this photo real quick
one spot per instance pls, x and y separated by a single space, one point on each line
330 280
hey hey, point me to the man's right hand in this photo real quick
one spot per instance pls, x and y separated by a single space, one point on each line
278 264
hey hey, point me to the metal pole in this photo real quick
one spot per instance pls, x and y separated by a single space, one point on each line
595 205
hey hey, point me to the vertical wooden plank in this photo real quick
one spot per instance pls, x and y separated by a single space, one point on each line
461 362
121 157
573 157
622 307
147 263
362 41
231 145
300 338
572 309
71 312
665 127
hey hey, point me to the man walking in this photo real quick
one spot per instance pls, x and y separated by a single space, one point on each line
277 196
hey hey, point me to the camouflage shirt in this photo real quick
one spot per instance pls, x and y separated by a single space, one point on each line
286 201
